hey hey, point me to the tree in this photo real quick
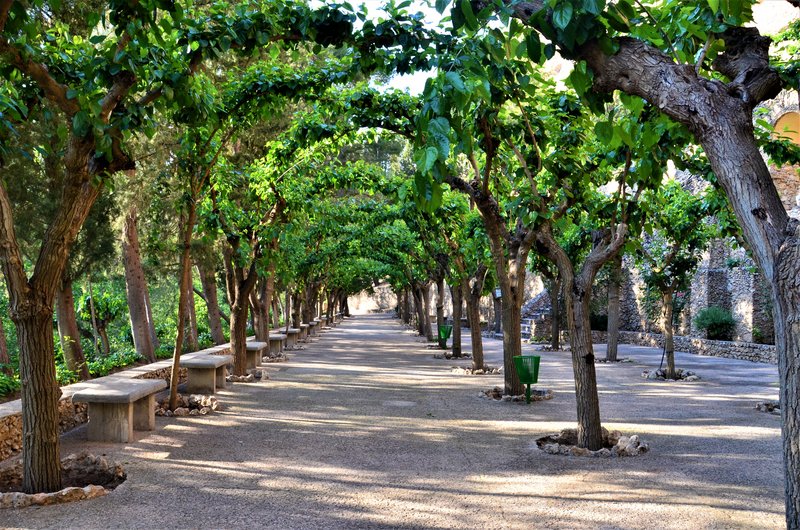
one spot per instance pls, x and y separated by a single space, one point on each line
679 232
651 54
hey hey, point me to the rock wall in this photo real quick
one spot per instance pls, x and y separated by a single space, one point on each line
746 351
70 415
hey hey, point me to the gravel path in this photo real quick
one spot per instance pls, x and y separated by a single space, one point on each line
365 429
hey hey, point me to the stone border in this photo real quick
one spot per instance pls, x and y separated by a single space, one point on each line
745 351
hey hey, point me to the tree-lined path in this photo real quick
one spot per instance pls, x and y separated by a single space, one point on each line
365 429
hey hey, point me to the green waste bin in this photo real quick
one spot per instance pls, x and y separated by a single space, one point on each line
528 371
444 334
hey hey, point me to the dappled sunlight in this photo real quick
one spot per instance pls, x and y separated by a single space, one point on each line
363 430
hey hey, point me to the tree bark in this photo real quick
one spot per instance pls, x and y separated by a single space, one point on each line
135 288
240 284
208 279
184 286
68 331
426 308
614 280
259 313
5 360
472 294
456 293
577 295
296 312
555 314
192 338
669 345
439 302
103 332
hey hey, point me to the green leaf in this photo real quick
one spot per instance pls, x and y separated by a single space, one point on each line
562 14
425 158
594 7
604 131
455 80
441 5
714 5
534 47
469 15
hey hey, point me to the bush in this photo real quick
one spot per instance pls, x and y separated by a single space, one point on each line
103 365
8 384
717 322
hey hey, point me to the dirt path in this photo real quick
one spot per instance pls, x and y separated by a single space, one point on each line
365 429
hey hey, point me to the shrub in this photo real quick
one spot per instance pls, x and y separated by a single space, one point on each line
8 384
103 365
717 322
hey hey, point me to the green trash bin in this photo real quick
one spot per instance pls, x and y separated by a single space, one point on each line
528 371
444 334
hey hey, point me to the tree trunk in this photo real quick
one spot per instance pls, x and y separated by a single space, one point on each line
103 332
614 281
669 345
406 306
40 394
576 297
512 345
239 338
259 315
786 300
288 308
473 298
192 338
150 322
296 312
208 279
426 303
276 310
555 314
92 311
68 331
439 302
184 284
5 360
419 307
239 286
456 293
497 308
135 288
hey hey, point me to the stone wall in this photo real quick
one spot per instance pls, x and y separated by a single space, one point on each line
70 415
746 351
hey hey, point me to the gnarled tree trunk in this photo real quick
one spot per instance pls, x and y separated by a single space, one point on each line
555 314
669 345
192 339
472 294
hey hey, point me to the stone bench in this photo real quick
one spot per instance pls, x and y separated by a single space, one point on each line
255 351
304 331
206 372
313 328
118 406
292 336
276 343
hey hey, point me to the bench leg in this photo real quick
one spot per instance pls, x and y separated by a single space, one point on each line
274 347
110 422
253 358
201 380
221 374
144 413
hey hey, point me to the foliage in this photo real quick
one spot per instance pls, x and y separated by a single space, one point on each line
9 384
717 322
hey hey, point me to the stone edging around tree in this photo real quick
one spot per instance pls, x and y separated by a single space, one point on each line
745 351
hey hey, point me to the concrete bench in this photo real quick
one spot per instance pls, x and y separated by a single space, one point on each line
255 351
304 331
206 372
292 336
118 406
276 343
313 328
